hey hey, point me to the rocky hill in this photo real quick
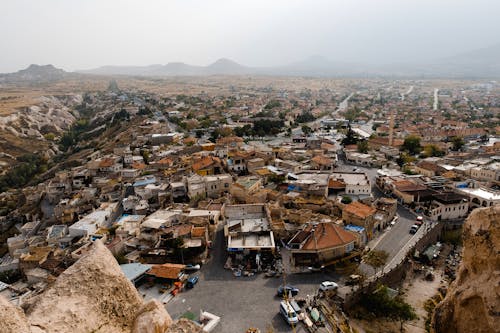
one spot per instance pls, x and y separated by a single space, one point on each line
93 295
472 303
35 74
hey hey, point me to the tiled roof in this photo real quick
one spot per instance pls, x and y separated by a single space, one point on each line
166 271
327 235
359 209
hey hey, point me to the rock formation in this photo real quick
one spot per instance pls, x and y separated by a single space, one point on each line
12 319
472 303
93 295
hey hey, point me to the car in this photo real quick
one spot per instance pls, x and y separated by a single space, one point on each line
191 267
419 220
288 289
353 279
394 220
191 282
328 285
288 313
414 228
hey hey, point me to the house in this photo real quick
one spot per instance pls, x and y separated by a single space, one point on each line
488 172
245 187
361 215
322 162
310 183
135 272
320 243
350 183
89 224
208 165
236 162
255 164
480 197
448 206
289 166
216 185
167 272
247 228
429 169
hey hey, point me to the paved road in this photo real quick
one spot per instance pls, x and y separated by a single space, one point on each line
391 240
241 302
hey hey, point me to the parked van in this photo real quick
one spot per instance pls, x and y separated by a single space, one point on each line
288 313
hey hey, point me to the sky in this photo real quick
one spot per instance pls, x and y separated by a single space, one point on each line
84 34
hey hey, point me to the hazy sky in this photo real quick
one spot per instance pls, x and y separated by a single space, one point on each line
81 34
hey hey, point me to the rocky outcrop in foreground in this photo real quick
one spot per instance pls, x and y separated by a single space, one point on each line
93 295
472 303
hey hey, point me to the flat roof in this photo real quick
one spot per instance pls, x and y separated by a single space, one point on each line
251 241
134 270
481 193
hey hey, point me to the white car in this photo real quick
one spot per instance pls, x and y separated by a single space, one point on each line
328 285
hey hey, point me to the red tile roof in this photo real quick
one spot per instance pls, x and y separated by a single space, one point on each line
326 235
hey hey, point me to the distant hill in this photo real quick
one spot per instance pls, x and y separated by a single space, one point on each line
481 63
34 74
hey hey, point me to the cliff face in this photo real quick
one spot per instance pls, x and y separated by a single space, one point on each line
93 295
472 303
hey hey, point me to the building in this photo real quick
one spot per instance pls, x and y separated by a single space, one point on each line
362 215
247 228
349 183
320 243
448 206
480 197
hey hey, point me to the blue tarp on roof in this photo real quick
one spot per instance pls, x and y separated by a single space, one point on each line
355 228
144 182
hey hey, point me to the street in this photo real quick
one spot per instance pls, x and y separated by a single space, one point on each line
242 302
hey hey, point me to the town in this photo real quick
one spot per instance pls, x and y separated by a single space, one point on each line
256 204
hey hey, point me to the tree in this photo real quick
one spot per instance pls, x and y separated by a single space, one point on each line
376 259
351 137
412 144
306 129
381 304
432 150
346 200
457 143
363 146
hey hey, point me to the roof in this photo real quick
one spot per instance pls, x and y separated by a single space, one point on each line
167 271
407 185
359 209
205 162
322 160
134 270
430 166
106 163
326 235
198 231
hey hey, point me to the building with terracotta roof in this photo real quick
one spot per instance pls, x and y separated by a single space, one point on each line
208 165
361 215
320 243
167 271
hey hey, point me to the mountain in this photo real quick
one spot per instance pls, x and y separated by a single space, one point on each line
480 63
35 74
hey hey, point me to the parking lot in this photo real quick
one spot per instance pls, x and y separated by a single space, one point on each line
241 302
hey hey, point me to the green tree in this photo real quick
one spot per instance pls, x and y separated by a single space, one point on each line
412 144
363 146
346 200
351 137
457 142
376 259
382 304
432 150
306 129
